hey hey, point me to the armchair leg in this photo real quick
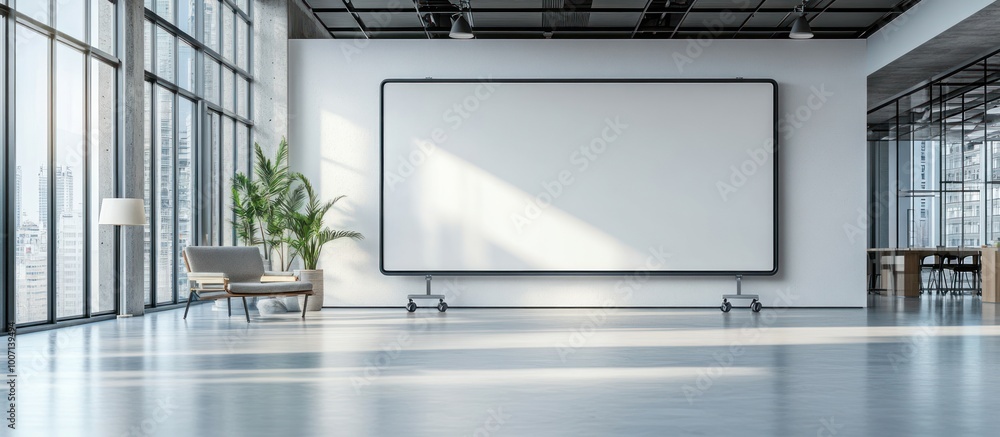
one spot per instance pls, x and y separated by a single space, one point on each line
229 306
246 309
188 306
304 303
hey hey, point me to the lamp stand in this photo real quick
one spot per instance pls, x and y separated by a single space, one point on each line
118 278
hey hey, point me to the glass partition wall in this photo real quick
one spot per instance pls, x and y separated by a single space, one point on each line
934 162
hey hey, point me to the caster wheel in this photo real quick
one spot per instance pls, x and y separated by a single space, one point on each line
411 306
726 306
442 307
756 306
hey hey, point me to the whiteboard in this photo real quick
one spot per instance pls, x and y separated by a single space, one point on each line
577 177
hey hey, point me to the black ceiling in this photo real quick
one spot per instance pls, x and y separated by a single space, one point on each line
743 19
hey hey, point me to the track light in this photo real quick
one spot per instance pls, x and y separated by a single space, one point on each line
460 27
800 28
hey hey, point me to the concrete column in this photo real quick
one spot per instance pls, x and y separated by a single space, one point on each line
270 73
131 158
275 21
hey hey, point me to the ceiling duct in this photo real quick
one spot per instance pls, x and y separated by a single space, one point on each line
573 13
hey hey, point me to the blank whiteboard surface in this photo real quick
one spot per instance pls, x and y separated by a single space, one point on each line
579 177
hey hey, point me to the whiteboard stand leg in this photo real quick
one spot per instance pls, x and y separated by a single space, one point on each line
411 306
755 304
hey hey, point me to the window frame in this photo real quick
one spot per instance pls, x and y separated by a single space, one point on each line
12 18
200 136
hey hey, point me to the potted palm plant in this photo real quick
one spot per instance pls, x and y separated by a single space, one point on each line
261 205
308 235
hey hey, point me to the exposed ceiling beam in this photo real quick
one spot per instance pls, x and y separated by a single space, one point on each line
750 17
651 10
626 30
642 17
683 17
423 22
888 16
357 19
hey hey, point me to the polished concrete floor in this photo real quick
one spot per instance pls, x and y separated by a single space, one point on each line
904 367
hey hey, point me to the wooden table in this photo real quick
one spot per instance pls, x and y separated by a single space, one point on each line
901 268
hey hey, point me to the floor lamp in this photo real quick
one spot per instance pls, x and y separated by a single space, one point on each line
120 212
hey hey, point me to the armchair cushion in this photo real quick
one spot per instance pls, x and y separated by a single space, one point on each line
240 264
265 288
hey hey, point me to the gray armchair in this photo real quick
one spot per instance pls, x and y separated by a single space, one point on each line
227 272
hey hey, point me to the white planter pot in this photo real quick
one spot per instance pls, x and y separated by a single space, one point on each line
315 277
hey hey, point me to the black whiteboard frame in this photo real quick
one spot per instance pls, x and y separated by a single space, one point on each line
381 225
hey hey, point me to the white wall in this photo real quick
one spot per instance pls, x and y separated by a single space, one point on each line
334 137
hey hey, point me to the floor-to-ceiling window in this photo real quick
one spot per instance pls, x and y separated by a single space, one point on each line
60 142
197 130
935 166
8 181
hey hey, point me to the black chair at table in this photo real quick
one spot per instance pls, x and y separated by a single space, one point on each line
933 265
874 273
949 263
968 267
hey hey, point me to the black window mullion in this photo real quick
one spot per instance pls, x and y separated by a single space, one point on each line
987 164
154 195
942 172
8 159
233 148
88 161
175 211
961 152
118 172
87 10
50 252
896 148
221 214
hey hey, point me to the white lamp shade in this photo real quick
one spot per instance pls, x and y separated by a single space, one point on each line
123 212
